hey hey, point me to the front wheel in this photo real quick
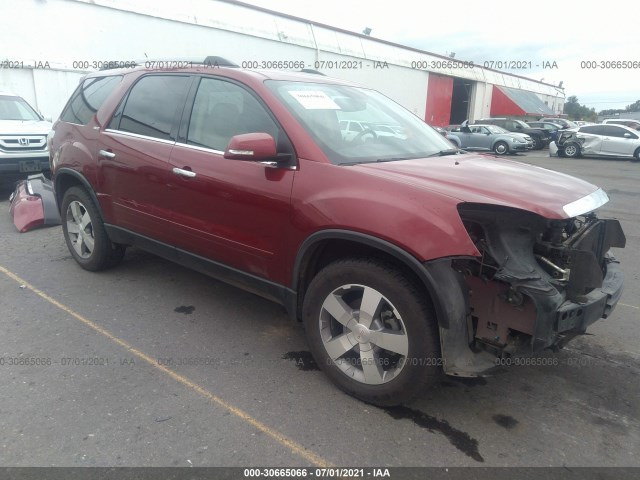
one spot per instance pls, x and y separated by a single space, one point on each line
84 232
372 331
501 148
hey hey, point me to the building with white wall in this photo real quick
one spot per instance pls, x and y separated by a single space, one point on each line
63 39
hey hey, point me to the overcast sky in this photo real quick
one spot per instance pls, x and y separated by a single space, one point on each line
561 31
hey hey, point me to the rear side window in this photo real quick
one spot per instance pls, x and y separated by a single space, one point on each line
593 129
88 98
152 106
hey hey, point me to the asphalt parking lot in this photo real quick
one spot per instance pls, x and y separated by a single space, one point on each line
151 364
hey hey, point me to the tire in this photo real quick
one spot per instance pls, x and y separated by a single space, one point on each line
636 156
353 357
85 234
501 148
538 144
571 150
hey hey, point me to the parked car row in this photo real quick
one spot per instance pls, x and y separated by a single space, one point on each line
489 138
606 140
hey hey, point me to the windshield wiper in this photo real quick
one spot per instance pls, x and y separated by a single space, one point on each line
443 153
379 160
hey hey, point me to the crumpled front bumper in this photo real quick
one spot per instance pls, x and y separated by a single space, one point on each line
33 204
573 318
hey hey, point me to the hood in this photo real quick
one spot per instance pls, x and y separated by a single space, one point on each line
493 180
26 127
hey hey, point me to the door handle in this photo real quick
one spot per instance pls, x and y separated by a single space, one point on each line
106 154
184 173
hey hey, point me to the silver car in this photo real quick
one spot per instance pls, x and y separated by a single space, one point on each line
604 140
23 138
489 138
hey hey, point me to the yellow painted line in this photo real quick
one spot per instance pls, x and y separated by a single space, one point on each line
283 440
630 306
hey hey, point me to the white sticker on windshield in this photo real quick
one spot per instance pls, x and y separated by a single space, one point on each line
314 100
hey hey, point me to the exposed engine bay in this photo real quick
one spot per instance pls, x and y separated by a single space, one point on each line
538 282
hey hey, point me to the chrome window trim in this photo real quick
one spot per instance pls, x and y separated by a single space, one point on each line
202 149
142 137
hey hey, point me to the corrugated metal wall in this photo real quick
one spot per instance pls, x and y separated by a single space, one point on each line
66 31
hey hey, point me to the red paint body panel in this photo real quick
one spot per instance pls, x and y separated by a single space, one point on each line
233 211
488 179
502 105
136 181
328 196
439 92
26 210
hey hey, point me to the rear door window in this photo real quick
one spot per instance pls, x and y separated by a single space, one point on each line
152 106
593 129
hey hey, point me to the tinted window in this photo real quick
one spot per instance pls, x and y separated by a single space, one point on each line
613 131
152 105
88 98
593 129
222 110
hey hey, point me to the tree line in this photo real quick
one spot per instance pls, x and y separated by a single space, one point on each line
576 111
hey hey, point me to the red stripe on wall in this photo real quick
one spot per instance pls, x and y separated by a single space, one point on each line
501 105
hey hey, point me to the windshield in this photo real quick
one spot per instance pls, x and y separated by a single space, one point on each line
325 110
15 108
496 129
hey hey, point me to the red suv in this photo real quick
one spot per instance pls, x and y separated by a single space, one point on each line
402 256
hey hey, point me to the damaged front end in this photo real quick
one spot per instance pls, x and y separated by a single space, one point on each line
536 284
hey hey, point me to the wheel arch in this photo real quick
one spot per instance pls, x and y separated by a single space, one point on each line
65 178
326 246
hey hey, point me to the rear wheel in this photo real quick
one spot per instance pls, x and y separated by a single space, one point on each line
84 232
501 148
571 150
372 331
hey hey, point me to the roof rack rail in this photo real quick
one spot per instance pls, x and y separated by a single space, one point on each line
311 70
209 61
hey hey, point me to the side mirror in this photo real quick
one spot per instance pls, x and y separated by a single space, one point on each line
255 147
487 133
627 135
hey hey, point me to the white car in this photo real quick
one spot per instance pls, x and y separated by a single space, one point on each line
627 122
604 140
352 129
23 138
